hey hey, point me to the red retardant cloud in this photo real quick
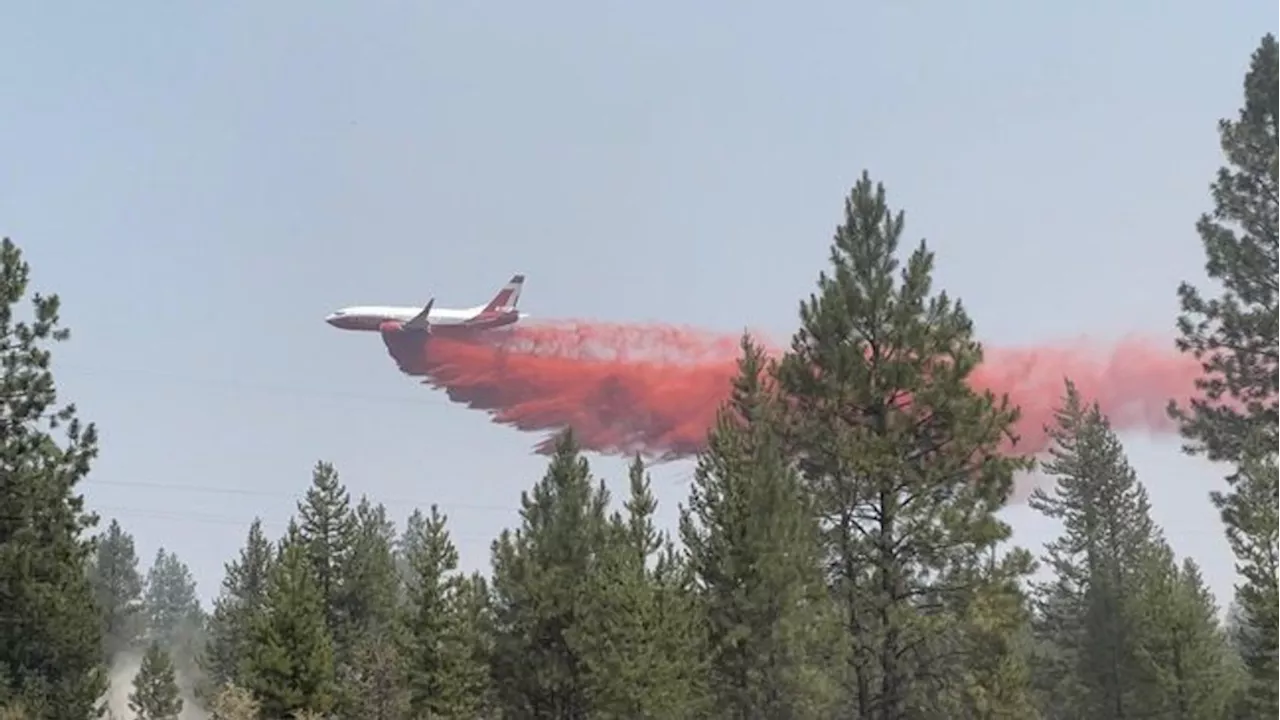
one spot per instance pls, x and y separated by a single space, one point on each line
655 389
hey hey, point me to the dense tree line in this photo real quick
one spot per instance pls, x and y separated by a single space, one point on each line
839 554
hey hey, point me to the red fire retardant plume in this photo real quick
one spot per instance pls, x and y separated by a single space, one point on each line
655 389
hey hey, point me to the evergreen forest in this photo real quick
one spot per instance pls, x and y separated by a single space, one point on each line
840 552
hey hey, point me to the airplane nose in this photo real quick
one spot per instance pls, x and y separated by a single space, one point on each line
332 319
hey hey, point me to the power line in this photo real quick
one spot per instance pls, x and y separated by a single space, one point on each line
135 513
422 400
400 501
298 496
216 490
119 512
238 385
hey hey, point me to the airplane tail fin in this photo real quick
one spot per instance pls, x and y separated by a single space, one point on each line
507 297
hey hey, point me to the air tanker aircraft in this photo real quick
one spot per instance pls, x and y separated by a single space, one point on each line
500 311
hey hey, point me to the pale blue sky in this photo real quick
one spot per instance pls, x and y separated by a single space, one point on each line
203 182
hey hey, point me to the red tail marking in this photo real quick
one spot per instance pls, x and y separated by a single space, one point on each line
499 300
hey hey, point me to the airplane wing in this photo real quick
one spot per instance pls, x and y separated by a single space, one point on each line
421 321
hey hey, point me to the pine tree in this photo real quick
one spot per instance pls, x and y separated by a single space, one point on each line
289 664
51 655
328 527
541 575
1140 635
1108 537
371 585
443 678
1184 642
1056 622
682 632
240 600
1237 636
1234 628
753 550
462 663
474 614
640 538
901 456
1250 514
628 636
408 545
1234 336
171 601
118 588
155 693
366 603
174 617
434 558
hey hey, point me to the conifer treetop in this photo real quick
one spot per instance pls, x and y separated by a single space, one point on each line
1234 334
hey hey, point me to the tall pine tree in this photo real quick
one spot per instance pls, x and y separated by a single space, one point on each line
1093 603
371 585
172 606
1133 634
369 662
444 678
407 546
1184 642
289 662
174 616
241 598
1234 336
473 610
902 457
542 573
117 586
1250 514
51 652
634 633
328 526
753 549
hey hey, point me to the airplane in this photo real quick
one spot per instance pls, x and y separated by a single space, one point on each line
499 312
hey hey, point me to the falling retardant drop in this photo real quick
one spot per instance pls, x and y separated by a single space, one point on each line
655 389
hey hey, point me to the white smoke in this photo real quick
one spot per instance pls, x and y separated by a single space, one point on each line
123 669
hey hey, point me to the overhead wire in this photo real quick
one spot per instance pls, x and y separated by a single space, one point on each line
216 490
299 496
241 386
251 387
184 517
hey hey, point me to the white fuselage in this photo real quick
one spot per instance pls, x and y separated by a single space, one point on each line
372 318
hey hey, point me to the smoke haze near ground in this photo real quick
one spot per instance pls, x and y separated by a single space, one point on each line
123 669
655 389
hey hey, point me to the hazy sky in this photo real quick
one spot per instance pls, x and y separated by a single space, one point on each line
203 182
